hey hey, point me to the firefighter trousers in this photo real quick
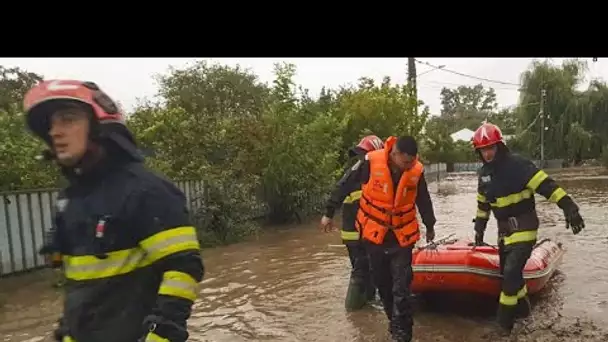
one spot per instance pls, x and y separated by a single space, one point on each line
514 294
392 274
360 276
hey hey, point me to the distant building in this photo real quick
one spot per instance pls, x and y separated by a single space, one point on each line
464 134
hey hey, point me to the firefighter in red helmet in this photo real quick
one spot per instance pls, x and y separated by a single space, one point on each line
506 186
361 288
130 254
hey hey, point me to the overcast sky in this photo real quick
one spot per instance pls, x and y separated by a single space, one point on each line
127 79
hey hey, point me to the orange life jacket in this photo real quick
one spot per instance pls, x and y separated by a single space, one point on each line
379 208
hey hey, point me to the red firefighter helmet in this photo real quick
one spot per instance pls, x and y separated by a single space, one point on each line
42 100
487 135
371 143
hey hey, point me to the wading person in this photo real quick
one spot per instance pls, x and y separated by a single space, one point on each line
360 287
130 255
506 186
393 186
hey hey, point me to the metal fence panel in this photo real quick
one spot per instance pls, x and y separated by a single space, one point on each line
24 217
15 234
25 228
467 167
5 245
46 218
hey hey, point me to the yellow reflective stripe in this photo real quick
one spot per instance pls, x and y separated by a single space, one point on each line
169 242
525 236
67 339
523 292
506 201
507 300
535 181
91 267
152 337
346 235
482 214
557 195
482 198
178 284
512 300
353 197
124 261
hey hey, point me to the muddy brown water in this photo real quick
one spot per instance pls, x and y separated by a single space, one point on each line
290 285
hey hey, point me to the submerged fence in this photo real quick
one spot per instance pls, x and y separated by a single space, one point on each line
26 215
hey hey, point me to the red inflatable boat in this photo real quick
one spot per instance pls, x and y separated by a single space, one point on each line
455 265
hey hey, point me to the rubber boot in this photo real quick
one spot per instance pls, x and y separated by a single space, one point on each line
400 335
401 331
370 291
403 338
356 295
523 308
505 318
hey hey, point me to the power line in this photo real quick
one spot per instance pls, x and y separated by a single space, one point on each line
467 75
466 85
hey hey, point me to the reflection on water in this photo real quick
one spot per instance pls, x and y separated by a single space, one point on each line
290 285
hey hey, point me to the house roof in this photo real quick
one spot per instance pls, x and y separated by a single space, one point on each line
464 134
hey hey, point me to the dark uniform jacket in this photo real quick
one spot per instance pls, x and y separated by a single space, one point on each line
130 256
507 187
359 174
348 198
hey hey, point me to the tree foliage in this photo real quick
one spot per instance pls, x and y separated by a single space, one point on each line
462 107
467 102
262 149
19 168
575 120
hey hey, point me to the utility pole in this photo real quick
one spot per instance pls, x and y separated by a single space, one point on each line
411 81
542 127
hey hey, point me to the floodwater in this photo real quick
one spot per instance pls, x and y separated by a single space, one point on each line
290 285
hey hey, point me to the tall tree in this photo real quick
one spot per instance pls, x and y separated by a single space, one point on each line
466 101
562 108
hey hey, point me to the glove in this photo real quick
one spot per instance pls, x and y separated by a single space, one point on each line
161 330
571 214
574 221
430 233
327 224
480 229
56 260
